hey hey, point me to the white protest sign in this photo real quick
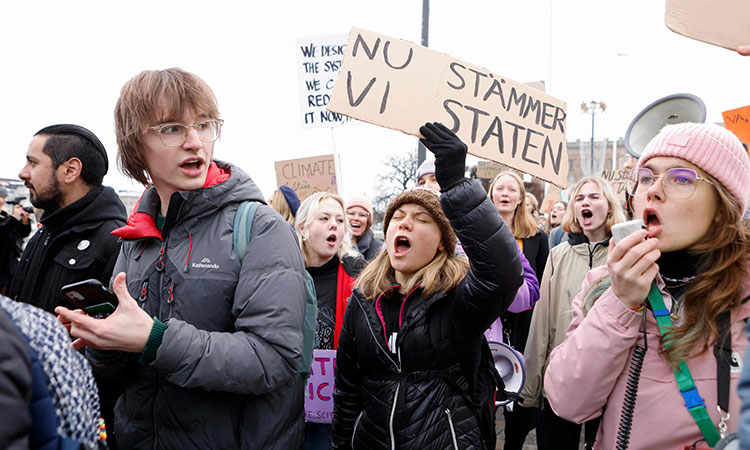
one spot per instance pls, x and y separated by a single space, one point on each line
318 61
400 85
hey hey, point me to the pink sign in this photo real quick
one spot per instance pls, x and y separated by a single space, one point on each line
320 386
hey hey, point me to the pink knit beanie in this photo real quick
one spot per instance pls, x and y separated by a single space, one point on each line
362 201
714 149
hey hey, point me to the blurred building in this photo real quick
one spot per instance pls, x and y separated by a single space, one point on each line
129 199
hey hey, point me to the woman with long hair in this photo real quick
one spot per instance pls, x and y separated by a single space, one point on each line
554 223
593 210
508 194
334 265
413 367
686 278
324 238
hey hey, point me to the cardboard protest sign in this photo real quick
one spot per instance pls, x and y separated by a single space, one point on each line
619 180
307 175
488 169
738 122
320 385
318 61
552 196
717 22
400 85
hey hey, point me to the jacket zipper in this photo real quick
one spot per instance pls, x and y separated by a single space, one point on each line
398 369
369 325
356 424
393 413
159 268
453 430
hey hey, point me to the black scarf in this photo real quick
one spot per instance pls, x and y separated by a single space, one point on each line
678 268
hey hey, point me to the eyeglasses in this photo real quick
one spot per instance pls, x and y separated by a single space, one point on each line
363 215
677 182
175 134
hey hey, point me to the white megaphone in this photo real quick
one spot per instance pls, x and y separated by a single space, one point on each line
676 108
512 369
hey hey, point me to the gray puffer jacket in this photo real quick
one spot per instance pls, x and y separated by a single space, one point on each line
226 373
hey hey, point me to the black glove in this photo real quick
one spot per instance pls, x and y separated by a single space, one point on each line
449 151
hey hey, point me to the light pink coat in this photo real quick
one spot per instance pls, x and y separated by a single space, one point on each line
587 374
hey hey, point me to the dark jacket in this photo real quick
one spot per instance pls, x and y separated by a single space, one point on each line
74 244
368 245
334 282
536 250
226 373
12 233
415 399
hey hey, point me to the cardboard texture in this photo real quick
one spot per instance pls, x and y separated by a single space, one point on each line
552 195
488 169
718 22
318 61
307 175
619 181
400 85
738 122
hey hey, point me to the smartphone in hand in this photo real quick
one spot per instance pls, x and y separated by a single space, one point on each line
92 297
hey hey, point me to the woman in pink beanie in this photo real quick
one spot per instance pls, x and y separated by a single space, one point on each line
359 216
686 277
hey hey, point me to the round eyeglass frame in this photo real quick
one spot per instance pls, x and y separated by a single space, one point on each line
218 123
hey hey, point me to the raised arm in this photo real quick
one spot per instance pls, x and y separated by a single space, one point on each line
495 272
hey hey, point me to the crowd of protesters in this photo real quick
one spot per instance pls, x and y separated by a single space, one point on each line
207 342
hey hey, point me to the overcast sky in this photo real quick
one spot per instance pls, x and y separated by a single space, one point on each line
65 62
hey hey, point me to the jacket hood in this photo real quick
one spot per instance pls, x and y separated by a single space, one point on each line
98 205
580 238
225 184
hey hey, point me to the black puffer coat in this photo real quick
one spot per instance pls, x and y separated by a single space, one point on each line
416 400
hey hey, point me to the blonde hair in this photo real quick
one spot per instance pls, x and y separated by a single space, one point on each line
279 203
441 274
570 222
524 225
151 97
306 215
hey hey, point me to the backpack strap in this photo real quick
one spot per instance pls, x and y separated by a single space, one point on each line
243 227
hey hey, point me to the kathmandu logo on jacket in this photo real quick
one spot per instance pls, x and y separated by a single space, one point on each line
205 264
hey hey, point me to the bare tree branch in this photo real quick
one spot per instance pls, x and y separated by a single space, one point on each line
399 174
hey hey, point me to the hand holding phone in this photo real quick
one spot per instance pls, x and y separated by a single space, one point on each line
92 297
127 329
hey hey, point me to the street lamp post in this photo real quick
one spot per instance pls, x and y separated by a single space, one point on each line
591 108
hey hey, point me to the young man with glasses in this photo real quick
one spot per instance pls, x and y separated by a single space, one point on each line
359 216
211 348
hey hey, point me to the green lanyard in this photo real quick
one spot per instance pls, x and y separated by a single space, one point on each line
693 402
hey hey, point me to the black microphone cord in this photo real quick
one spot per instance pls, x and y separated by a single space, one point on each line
631 390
